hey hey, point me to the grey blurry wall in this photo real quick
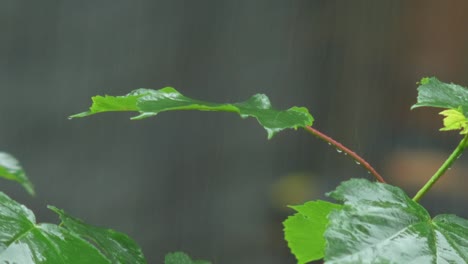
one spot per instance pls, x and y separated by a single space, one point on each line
208 183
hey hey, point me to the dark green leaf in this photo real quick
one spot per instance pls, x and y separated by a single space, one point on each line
304 230
23 241
117 247
151 102
379 223
434 93
181 258
10 169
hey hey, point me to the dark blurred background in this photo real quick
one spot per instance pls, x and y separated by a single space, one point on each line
211 184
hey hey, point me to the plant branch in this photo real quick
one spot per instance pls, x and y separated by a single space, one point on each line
346 150
447 164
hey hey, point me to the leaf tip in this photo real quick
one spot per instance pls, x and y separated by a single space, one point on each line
270 135
29 188
82 114
143 116
179 257
54 209
424 80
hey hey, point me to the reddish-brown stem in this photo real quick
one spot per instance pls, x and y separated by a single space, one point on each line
346 150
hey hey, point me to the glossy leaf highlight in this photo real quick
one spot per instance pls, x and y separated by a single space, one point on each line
11 169
22 240
182 258
151 102
379 223
116 246
304 230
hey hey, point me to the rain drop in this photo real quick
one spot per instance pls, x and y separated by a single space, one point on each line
339 150
357 162
329 144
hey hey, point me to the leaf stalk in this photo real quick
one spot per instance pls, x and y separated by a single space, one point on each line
445 166
346 150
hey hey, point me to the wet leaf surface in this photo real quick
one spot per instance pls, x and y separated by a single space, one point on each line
379 223
151 102
24 241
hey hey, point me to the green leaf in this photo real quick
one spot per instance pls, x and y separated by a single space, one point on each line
304 230
117 247
151 102
10 169
24 241
181 258
434 93
379 223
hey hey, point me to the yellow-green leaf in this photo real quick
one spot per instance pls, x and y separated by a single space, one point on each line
304 230
454 120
